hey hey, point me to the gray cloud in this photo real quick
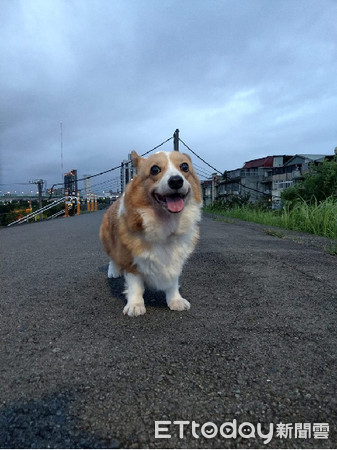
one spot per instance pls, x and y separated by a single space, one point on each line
241 79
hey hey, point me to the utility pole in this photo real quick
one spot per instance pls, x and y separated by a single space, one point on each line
61 133
39 189
176 140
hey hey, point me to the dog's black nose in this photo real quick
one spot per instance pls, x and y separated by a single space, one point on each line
175 182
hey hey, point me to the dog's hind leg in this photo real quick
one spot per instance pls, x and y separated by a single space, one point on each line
113 271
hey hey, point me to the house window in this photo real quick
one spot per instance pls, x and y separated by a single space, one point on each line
283 184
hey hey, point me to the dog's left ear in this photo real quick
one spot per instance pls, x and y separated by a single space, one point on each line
136 159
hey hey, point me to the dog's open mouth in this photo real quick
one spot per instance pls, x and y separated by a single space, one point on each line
173 203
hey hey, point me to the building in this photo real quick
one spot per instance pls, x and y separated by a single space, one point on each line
292 172
206 190
256 176
253 180
260 179
127 172
70 182
87 185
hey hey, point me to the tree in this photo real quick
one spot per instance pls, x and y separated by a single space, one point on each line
317 185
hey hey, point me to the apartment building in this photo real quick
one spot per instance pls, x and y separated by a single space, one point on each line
260 179
292 172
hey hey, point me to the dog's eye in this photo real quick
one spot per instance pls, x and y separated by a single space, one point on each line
155 170
184 167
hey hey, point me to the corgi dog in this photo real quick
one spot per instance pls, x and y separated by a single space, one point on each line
150 231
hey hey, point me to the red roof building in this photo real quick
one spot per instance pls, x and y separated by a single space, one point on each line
260 162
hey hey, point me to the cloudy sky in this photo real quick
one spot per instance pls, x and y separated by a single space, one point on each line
241 79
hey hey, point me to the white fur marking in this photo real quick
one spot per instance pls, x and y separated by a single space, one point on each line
174 299
179 304
113 270
134 294
163 186
121 209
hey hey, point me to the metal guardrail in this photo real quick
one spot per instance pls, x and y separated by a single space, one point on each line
56 214
41 210
69 202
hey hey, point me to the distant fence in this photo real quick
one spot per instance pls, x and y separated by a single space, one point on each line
72 204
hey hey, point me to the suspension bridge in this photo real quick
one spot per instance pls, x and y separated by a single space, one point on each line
73 199
73 202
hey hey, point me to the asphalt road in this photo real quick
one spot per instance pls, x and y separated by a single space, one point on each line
257 346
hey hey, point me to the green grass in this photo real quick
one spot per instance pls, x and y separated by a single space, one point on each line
319 218
332 249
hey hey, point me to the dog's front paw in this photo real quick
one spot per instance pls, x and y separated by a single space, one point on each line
133 310
179 304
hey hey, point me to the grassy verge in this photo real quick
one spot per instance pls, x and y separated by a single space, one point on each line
319 218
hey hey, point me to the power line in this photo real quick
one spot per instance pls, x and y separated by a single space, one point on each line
201 175
106 183
117 167
199 157
228 178
202 172
202 168
113 168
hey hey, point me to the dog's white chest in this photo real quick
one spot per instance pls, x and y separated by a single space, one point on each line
172 240
164 262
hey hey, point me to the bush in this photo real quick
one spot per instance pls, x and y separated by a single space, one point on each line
231 201
317 185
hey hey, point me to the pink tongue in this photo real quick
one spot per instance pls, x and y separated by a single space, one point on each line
175 204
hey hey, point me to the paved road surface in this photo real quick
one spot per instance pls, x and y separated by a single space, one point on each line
258 345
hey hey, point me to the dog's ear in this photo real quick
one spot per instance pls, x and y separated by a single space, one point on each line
136 159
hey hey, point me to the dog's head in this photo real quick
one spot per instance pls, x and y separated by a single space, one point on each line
168 179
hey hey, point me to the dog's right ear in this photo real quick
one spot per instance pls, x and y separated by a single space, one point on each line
136 159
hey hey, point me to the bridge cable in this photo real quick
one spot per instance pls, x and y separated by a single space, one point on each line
227 177
112 169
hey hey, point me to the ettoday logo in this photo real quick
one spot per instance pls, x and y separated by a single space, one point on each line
245 430
209 430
